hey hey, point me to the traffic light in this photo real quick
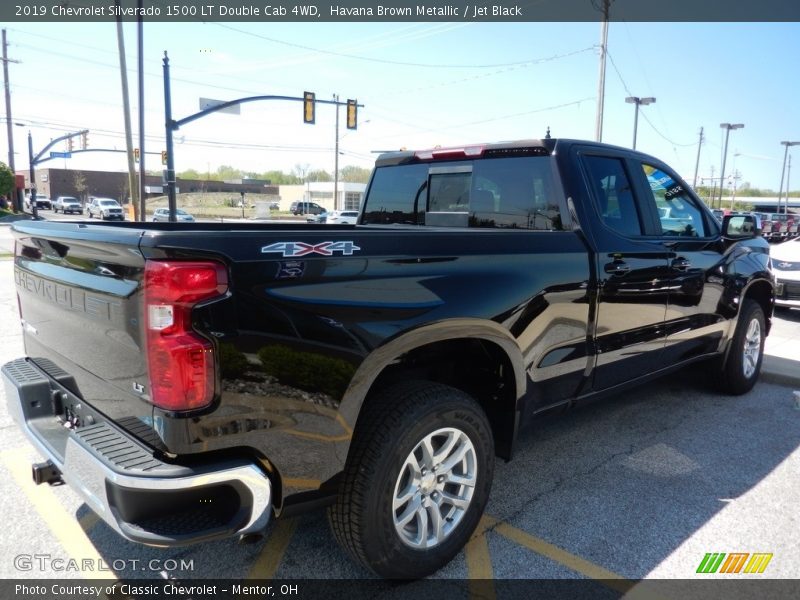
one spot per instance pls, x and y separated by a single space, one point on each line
136 154
309 106
69 145
163 157
352 114
84 140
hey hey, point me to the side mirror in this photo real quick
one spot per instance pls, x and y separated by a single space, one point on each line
741 227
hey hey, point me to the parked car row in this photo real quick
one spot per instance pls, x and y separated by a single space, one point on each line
775 227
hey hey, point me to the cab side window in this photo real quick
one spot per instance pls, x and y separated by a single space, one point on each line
678 214
614 195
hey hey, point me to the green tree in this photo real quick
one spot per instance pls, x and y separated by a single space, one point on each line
300 171
6 180
353 174
226 172
280 178
190 174
79 182
319 175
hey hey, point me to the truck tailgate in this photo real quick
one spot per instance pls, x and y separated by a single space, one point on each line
79 290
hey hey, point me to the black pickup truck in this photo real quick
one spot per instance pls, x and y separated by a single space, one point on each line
192 381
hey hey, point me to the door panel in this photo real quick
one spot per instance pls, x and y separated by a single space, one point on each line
632 274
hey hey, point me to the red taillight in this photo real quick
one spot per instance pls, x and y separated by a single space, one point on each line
180 362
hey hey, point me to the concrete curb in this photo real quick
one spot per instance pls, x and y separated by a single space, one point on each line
784 371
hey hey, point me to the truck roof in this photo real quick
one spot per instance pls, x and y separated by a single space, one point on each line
525 147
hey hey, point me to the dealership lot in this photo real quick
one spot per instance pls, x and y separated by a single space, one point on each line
639 486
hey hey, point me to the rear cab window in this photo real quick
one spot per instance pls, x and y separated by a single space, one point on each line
518 192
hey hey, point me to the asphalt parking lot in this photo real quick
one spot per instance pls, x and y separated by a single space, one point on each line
641 486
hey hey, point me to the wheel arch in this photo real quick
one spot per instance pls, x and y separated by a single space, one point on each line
763 292
432 353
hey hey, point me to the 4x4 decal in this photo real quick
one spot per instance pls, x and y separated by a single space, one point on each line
295 249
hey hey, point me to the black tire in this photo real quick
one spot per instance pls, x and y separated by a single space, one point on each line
389 435
743 365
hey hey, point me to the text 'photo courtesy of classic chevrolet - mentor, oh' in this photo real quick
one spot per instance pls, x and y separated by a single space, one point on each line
194 381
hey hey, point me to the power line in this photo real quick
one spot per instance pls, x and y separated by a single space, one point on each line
378 60
644 115
491 74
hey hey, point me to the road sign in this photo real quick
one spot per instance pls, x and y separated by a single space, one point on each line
60 155
209 102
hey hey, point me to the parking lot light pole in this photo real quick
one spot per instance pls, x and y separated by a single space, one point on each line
637 101
783 173
727 127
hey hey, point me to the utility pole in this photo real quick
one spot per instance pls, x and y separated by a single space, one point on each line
736 177
783 170
126 109
336 158
15 201
697 162
601 86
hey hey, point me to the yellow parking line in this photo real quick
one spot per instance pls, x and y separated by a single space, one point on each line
89 520
267 563
311 484
479 564
63 525
575 563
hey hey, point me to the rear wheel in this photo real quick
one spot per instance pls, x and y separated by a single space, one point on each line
417 480
741 370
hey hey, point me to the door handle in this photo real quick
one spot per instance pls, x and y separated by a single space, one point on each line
680 264
617 267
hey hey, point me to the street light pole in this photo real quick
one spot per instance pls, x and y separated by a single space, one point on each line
783 172
637 101
32 175
727 127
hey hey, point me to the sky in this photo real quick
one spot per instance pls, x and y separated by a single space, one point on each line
421 84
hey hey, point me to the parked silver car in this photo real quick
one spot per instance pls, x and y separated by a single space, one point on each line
105 208
162 214
68 204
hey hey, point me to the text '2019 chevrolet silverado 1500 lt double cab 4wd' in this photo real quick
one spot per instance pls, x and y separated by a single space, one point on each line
194 380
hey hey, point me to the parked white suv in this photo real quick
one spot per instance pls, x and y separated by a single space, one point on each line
343 217
105 208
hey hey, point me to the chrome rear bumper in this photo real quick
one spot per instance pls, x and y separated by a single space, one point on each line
143 498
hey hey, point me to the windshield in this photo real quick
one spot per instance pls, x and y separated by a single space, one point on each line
109 203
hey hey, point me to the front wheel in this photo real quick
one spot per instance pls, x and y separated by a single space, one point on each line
417 479
741 370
